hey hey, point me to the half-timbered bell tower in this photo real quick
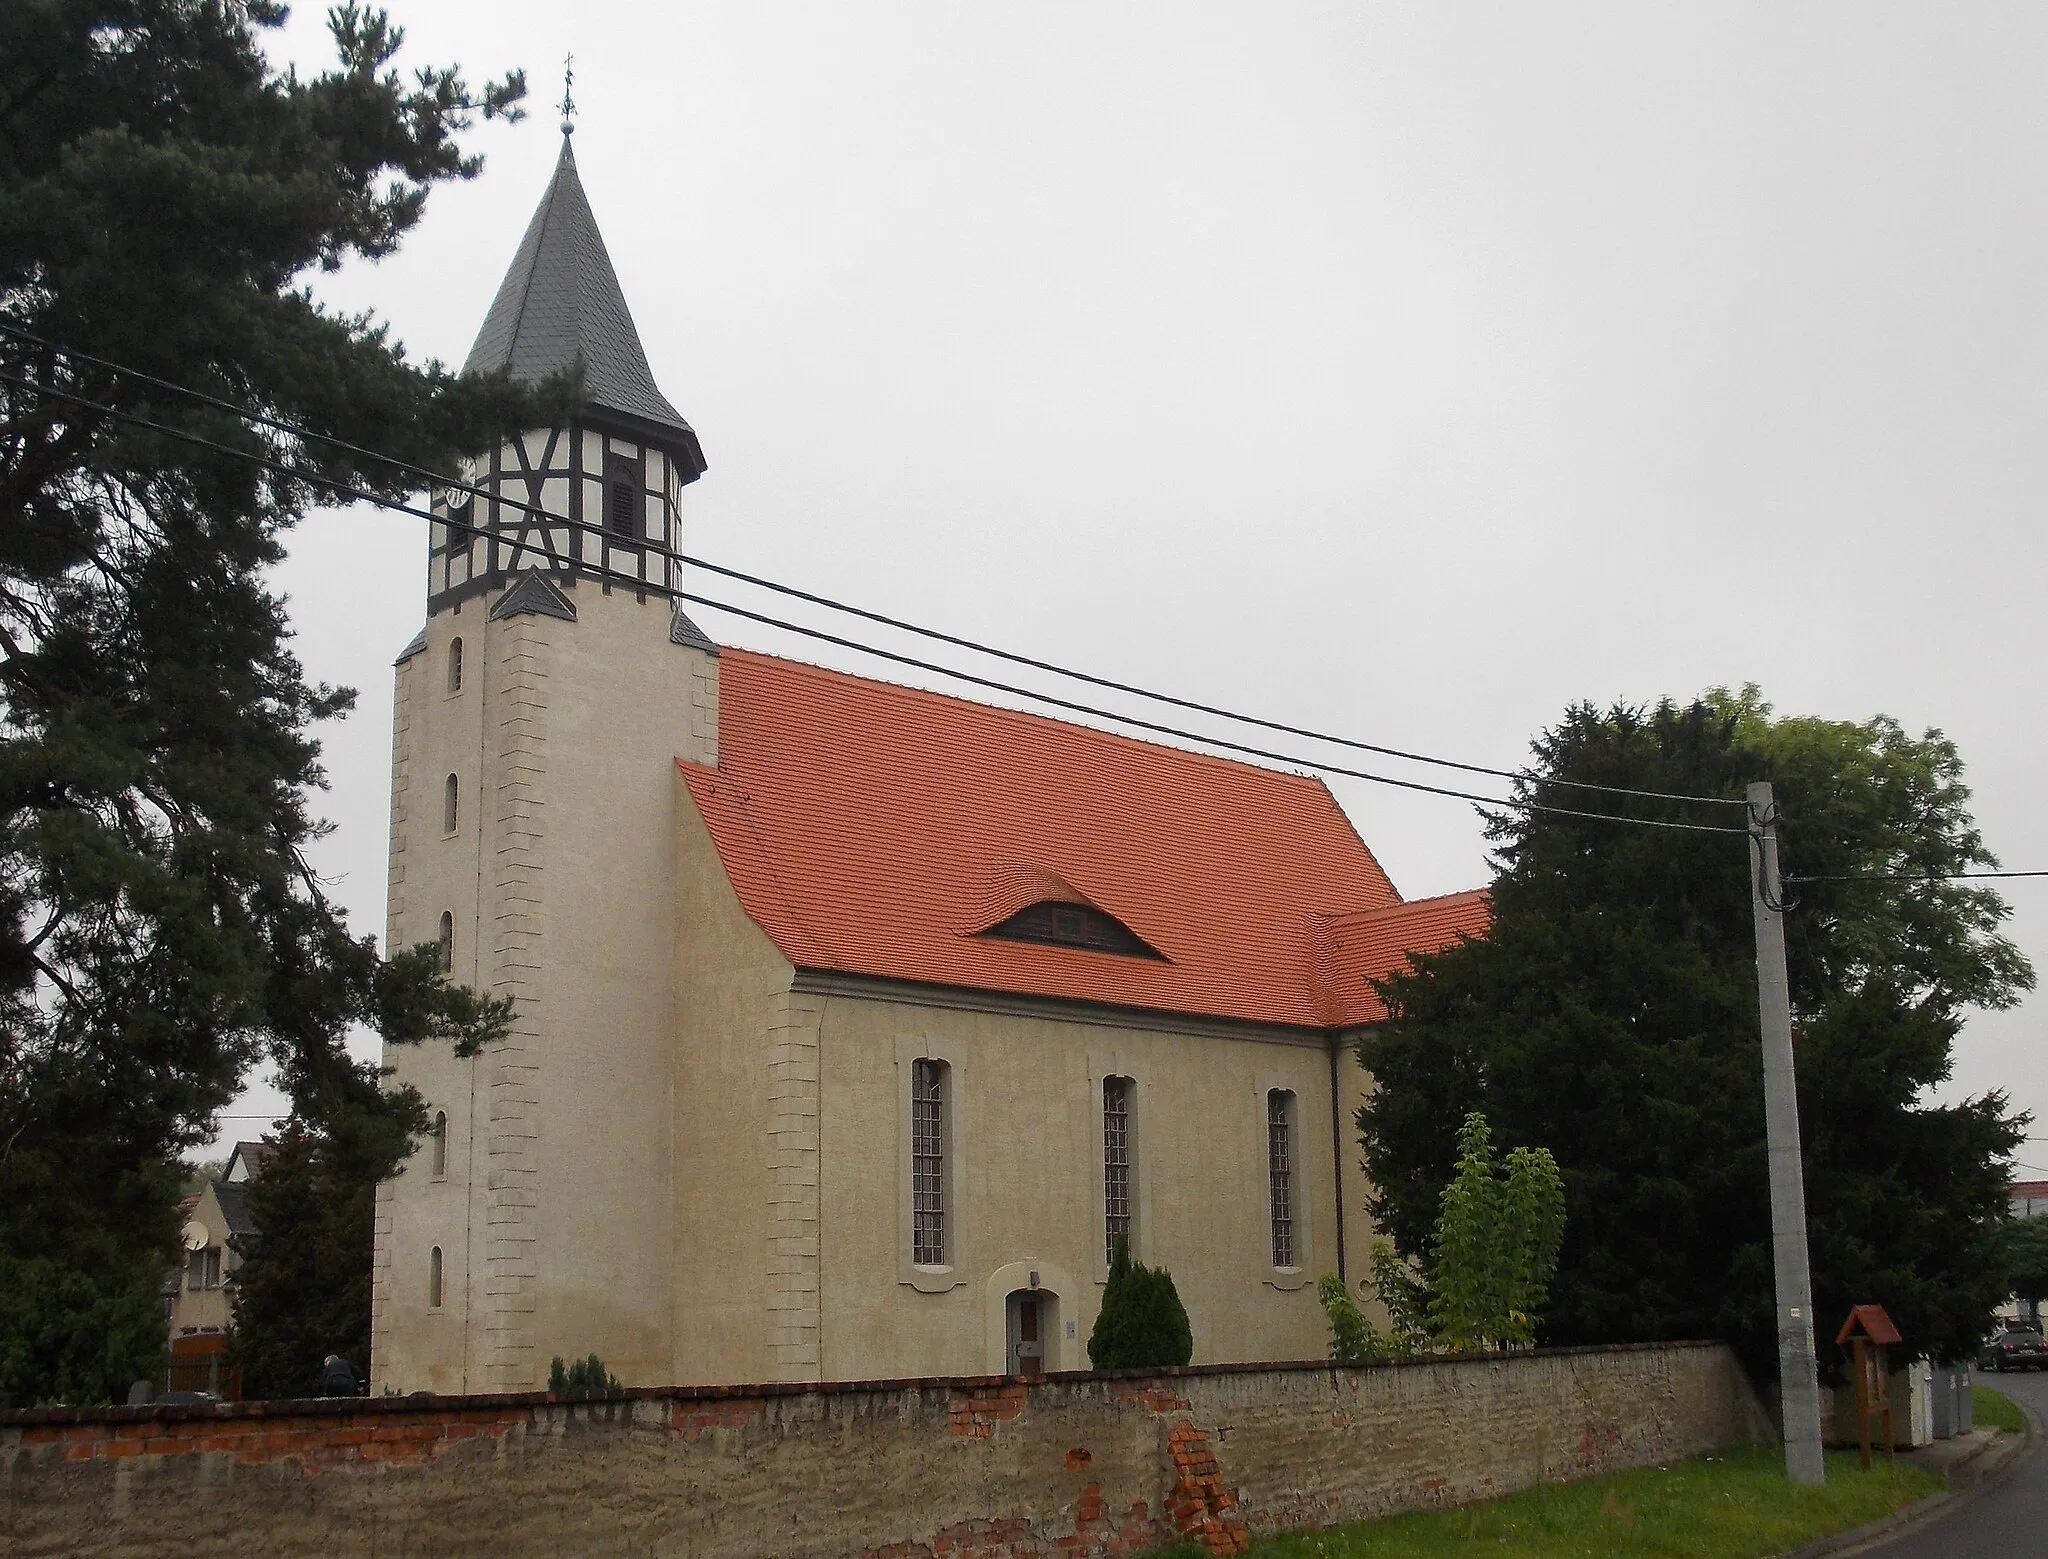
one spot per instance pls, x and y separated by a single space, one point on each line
537 722
597 498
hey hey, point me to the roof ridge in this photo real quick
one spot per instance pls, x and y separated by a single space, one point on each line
1407 904
1305 778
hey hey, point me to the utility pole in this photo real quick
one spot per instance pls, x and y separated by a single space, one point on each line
1798 1382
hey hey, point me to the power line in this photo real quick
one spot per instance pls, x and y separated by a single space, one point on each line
1169 730
535 511
620 577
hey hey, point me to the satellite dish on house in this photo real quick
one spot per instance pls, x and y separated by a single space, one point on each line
195 1236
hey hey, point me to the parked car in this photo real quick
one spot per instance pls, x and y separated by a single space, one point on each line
2015 1348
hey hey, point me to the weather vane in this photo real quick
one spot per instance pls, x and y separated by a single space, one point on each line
568 101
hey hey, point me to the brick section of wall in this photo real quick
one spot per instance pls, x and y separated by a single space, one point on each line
792 1148
1078 1466
518 862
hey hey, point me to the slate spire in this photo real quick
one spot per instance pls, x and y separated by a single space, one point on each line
561 301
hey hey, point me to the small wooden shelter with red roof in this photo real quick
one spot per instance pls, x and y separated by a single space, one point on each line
855 1022
1868 1332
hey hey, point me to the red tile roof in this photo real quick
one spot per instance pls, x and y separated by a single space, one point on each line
1370 944
874 829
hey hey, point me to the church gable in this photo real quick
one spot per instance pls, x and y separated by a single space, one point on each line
878 830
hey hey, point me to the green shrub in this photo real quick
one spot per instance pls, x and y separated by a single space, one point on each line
1353 1337
70 1334
1143 1325
584 1378
1497 1239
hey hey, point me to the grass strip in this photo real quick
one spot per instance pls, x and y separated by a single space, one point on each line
1996 1410
1736 1505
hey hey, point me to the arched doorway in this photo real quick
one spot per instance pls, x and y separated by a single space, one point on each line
1031 1318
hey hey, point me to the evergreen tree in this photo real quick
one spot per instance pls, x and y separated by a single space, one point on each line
163 192
1611 1014
1142 1324
2025 1247
302 1291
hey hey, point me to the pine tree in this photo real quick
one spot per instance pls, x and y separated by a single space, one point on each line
1611 1014
163 194
302 1291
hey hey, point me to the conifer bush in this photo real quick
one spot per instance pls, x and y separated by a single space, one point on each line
1143 1324
584 1378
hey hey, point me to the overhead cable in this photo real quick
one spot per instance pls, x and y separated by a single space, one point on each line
538 513
631 581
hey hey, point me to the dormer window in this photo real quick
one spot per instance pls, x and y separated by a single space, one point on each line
1058 923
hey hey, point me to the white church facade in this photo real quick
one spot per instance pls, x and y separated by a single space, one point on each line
854 1022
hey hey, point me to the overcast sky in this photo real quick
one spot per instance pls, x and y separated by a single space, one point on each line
1409 372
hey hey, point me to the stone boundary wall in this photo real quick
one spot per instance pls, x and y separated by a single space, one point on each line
1076 1465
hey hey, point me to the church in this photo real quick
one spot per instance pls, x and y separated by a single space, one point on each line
856 1023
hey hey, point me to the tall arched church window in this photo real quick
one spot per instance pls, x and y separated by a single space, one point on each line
447 942
625 495
434 1278
928 1163
440 1143
1280 1172
450 804
1116 1164
455 665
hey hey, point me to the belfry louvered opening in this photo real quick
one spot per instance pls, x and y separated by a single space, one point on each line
625 495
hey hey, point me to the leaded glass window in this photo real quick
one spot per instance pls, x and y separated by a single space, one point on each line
1116 1163
928 1163
1280 1172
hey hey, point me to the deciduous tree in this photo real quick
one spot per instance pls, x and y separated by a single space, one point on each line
1611 1015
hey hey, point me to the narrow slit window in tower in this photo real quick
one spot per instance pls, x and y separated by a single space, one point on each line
455 665
447 942
450 805
434 1278
440 1143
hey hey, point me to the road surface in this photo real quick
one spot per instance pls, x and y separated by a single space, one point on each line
2008 1520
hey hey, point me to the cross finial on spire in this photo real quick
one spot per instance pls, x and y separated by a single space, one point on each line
568 101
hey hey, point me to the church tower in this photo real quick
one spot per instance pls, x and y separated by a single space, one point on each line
537 721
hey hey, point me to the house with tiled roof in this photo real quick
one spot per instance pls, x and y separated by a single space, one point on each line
856 1023
216 1228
